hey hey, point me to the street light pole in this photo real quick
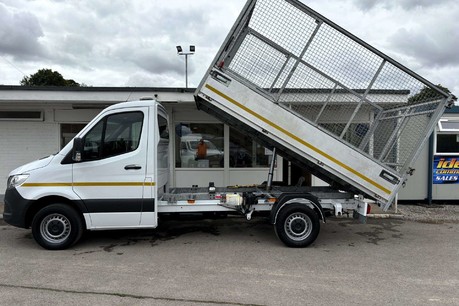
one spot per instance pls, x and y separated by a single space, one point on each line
186 70
186 53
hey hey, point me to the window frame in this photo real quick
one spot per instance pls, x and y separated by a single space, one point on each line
442 129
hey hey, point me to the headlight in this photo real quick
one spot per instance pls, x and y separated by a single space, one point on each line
16 180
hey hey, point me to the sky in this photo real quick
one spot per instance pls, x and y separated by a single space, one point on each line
133 42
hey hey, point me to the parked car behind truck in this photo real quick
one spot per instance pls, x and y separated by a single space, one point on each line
188 152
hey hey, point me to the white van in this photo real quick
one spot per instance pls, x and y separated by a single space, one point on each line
114 175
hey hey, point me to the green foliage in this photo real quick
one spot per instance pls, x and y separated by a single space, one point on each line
428 94
47 77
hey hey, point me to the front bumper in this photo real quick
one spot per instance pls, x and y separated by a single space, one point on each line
15 208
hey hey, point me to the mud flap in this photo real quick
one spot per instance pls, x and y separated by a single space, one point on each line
360 212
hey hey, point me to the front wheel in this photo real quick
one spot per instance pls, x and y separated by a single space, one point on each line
297 225
57 227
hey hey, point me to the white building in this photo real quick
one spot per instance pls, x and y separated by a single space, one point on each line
436 176
38 121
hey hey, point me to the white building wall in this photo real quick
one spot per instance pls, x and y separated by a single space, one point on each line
22 142
416 185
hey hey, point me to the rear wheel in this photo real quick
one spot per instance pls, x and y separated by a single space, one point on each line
297 225
57 227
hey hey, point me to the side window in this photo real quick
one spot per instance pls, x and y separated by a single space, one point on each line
93 142
113 135
163 128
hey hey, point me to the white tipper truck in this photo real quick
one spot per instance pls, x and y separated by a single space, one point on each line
298 83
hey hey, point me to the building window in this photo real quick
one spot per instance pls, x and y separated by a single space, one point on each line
199 145
244 152
21 115
354 135
447 138
447 143
68 131
448 125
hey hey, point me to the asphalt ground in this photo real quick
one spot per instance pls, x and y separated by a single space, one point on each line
237 262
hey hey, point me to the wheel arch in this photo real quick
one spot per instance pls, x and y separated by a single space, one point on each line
48 200
297 198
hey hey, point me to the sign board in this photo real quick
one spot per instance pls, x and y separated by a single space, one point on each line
446 170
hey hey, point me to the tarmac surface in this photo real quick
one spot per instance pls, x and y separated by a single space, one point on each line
408 257
233 261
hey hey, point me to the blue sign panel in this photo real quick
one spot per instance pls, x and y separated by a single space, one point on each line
446 170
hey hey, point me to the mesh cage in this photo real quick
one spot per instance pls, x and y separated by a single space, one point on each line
334 81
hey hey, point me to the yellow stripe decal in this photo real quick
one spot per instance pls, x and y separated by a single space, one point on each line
89 184
46 185
277 127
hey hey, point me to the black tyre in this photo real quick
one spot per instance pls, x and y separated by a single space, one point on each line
297 225
57 227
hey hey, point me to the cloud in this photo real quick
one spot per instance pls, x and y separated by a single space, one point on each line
428 49
391 4
433 41
134 41
421 35
140 79
20 32
151 60
91 33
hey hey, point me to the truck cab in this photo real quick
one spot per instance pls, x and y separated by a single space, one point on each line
109 177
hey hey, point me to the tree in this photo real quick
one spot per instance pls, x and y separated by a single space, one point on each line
428 94
47 77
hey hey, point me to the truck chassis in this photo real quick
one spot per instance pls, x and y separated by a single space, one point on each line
295 212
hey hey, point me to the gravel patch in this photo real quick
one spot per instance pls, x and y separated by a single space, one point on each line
430 213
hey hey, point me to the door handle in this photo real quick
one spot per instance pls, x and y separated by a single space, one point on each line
132 167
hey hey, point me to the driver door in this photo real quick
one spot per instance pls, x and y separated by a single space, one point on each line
110 179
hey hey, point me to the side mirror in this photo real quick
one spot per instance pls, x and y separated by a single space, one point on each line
78 146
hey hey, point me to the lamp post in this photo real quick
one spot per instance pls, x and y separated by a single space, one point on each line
186 53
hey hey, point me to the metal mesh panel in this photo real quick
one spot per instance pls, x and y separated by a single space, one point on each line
283 24
395 79
336 82
351 64
258 62
398 132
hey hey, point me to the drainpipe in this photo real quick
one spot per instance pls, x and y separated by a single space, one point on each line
430 171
